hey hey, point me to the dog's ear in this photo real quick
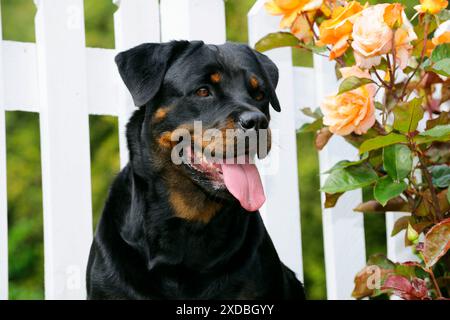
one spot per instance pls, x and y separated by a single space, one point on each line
270 74
142 68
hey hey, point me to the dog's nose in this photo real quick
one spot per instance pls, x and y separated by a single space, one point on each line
253 120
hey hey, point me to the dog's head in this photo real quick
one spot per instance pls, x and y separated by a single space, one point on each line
206 107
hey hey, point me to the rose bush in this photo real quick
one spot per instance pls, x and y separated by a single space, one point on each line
393 106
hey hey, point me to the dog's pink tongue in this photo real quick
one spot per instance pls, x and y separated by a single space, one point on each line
244 183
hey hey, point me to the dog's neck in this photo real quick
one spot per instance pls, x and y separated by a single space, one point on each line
187 243
187 200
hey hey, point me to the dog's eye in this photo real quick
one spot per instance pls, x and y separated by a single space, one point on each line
203 92
259 96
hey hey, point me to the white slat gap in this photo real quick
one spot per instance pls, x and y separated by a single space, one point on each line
281 212
20 68
195 20
3 198
102 81
60 47
135 22
304 96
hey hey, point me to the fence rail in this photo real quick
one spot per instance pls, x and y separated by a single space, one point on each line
65 82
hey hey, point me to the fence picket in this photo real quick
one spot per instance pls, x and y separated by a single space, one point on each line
279 174
3 198
64 126
135 22
195 20
21 91
343 229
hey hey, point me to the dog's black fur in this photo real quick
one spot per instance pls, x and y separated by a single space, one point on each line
148 243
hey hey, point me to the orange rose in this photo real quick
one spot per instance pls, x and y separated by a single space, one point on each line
301 27
402 41
337 30
431 6
351 111
442 34
372 35
289 9
393 15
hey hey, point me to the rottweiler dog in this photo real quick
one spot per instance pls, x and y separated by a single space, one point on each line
190 230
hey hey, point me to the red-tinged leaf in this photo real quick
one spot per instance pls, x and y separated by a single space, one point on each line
369 280
331 199
397 204
398 283
408 290
437 242
322 138
400 224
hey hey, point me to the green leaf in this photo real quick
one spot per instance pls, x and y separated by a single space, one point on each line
316 114
440 175
437 131
313 48
419 139
408 115
444 118
379 106
352 82
380 260
437 242
442 67
441 52
397 161
386 189
441 60
276 40
311 127
444 15
350 178
448 195
381 141
346 163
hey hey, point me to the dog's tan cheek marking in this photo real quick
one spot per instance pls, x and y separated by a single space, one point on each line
254 82
165 140
193 207
160 114
215 77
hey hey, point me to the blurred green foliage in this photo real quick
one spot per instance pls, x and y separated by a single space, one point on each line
26 255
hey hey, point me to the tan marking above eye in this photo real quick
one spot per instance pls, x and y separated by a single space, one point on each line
259 96
215 77
254 82
202 92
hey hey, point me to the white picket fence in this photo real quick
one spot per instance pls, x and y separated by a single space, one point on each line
65 82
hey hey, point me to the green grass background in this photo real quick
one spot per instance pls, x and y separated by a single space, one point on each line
26 255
